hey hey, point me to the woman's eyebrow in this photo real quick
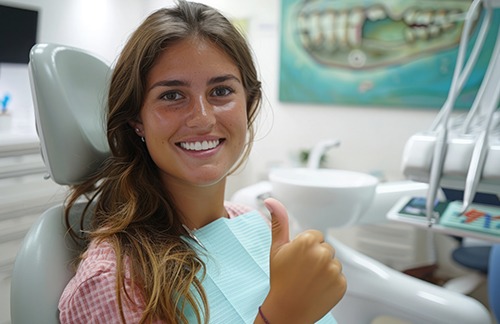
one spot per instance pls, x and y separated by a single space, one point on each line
169 83
223 78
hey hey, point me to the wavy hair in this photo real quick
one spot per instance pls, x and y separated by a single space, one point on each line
131 208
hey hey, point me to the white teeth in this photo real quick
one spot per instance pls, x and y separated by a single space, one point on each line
331 29
425 18
434 31
341 28
356 17
410 17
199 146
328 26
375 13
315 28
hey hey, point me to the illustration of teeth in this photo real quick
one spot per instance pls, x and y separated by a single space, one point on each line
340 28
356 17
375 13
441 18
329 30
199 146
310 29
303 30
424 18
353 36
410 17
327 22
409 36
421 33
434 30
315 28
354 31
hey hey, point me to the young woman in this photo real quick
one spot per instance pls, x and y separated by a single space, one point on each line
182 103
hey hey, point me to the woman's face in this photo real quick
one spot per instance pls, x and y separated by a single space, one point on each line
194 117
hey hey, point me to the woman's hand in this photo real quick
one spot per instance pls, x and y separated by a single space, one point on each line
306 278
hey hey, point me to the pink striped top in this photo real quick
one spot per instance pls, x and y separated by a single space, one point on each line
90 295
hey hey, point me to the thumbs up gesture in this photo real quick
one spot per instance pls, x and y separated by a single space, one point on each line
306 279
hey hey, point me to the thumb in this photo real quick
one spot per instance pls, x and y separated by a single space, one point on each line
280 232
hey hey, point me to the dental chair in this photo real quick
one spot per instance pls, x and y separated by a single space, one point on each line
69 87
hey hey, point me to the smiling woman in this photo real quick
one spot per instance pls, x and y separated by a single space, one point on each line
164 246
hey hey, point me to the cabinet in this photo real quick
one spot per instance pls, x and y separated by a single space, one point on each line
24 194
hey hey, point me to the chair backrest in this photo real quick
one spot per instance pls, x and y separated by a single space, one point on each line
43 267
68 86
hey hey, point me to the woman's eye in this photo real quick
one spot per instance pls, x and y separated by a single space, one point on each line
222 91
171 96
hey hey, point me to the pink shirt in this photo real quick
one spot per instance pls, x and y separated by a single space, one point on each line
90 295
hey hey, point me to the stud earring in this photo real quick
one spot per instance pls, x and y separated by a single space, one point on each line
142 137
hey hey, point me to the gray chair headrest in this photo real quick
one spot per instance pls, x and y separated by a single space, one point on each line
69 87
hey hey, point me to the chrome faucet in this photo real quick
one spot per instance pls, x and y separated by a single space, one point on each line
314 159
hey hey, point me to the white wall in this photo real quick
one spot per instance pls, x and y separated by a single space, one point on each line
372 137
96 25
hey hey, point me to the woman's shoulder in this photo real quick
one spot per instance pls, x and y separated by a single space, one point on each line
98 260
90 295
100 255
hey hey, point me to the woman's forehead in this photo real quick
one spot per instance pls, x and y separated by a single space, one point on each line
192 57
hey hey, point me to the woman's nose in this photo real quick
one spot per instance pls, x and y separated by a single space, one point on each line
202 114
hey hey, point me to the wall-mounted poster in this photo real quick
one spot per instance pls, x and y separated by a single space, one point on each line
399 53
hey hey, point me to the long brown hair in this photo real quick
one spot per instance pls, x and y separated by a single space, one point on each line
132 209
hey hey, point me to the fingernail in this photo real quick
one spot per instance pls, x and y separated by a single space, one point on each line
268 206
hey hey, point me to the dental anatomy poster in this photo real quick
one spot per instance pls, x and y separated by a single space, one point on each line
399 53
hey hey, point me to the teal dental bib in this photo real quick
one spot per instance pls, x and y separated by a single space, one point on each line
236 254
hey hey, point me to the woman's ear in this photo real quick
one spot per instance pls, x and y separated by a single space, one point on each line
138 127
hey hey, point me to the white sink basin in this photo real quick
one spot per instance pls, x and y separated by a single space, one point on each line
323 198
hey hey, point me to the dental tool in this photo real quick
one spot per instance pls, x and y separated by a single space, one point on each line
440 126
490 90
475 52
461 76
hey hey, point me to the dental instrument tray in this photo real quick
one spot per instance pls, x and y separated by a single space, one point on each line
479 220
478 217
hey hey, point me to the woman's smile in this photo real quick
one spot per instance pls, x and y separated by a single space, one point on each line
201 146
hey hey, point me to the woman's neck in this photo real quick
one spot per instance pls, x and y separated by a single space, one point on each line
199 205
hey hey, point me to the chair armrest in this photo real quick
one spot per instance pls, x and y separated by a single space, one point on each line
376 290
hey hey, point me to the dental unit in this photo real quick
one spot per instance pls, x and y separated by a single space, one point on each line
462 152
